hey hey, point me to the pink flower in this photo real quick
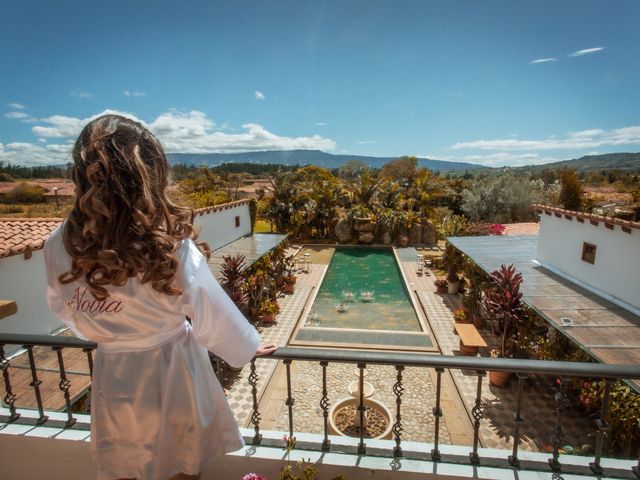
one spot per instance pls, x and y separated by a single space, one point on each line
253 476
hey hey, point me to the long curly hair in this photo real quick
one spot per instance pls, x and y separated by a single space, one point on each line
122 224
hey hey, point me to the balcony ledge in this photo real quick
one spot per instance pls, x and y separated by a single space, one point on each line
64 454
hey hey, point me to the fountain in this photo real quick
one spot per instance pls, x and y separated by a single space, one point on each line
366 295
344 416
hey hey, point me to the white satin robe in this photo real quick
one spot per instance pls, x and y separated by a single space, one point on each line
157 408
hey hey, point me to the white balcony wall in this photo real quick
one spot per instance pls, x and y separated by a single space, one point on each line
617 260
24 281
218 227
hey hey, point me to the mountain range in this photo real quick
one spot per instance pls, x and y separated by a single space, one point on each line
621 161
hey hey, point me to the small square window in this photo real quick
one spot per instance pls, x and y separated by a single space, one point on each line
237 221
589 253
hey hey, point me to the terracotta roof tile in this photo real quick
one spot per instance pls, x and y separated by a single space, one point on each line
626 225
23 235
525 228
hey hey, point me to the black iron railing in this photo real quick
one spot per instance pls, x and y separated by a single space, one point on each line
522 368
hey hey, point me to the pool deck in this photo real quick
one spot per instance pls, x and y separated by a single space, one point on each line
459 388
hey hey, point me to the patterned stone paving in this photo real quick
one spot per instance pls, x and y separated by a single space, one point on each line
499 402
238 389
417 401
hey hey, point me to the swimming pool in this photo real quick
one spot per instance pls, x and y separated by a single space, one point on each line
363 300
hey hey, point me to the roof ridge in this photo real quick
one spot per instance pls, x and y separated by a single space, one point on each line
628 224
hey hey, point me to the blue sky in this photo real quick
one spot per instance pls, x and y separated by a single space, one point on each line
491 82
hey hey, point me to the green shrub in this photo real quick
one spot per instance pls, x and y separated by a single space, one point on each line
25 193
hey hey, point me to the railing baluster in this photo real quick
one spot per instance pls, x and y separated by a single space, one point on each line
290 400
557 438
10 397
437 413
362 448
636 469
513 458
398 390
36 385
603 428
255 416
64 387
324 405
477 412
89 352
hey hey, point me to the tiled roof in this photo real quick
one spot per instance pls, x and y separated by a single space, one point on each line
222 206
23 235
609 222
524 228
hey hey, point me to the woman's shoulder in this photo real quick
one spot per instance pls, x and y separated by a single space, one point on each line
189 259
54 246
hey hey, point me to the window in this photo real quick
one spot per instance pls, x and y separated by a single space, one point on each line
589 252
238 222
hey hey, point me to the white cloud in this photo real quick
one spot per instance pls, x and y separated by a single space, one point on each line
129 94
321 124
16 115
502 159
366 142
61 126
80 94
586 51
185 132
17 106
22 153
544 60
193 132
259 95
592 138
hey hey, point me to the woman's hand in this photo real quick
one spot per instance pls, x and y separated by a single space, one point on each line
266 349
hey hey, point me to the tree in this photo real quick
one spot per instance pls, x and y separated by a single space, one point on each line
402 169
571 191
502 199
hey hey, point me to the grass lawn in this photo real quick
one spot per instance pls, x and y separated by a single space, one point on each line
262 226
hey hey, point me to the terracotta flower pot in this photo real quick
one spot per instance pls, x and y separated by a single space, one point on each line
499 379
268 317
453 287
478 321
289 288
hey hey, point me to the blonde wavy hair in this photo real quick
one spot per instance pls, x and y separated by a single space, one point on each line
122 224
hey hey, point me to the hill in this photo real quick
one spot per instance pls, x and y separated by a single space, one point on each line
590 163
307 157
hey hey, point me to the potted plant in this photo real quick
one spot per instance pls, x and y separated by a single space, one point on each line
441 285
255 286
503 304
498 378
269 309
453 226
289 284
460 315
472 297
233 280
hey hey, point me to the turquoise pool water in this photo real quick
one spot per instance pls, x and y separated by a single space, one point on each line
351 273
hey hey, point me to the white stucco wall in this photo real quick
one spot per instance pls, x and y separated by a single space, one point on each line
616 271
25 282
218 228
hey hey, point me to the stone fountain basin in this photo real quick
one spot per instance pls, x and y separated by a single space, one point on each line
352 403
